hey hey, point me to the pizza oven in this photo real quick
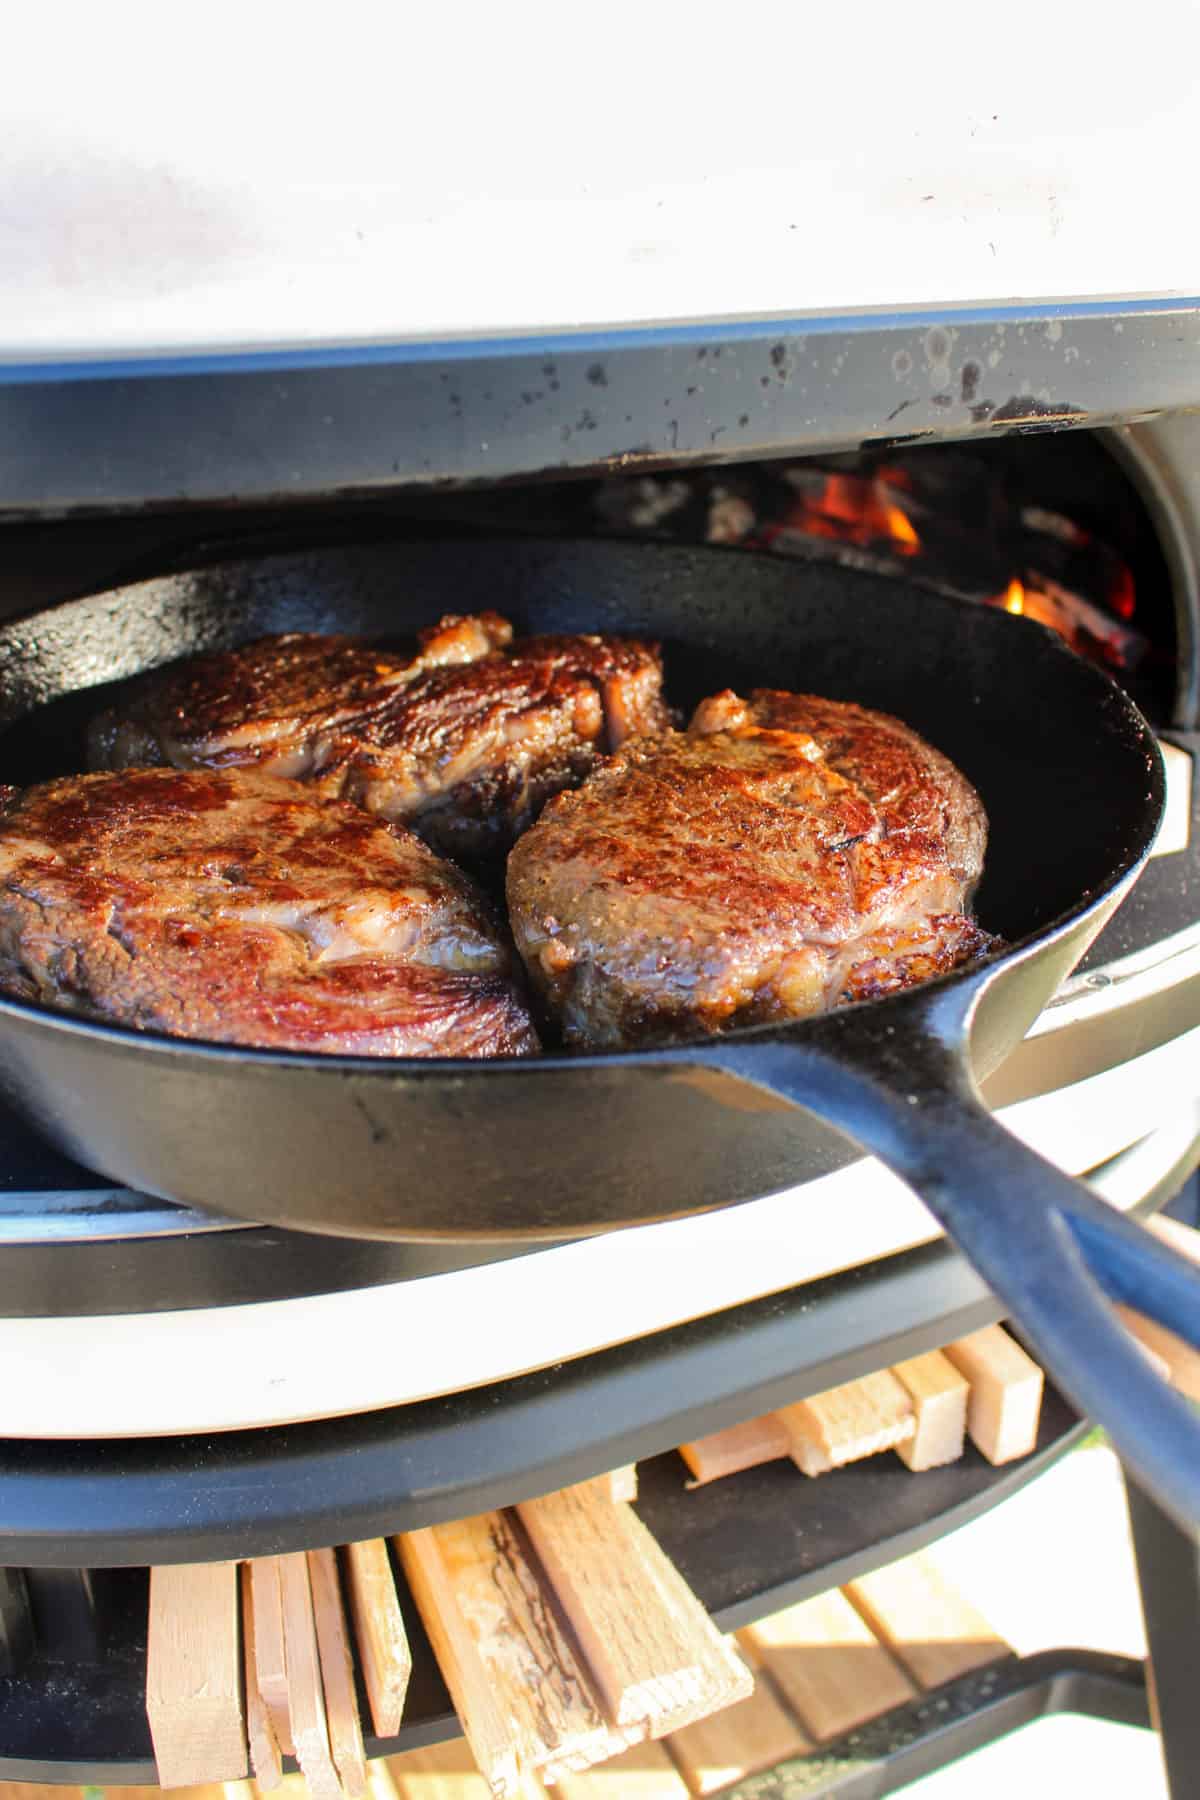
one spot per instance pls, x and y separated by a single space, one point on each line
166 1352
183 1385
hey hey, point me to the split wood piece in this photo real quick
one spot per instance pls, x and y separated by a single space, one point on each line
1006 1393
525 1700
644 1773
618 1484
306 1697
1167 1354
925 1622
383 1651
747 1737
269 1655
264 1744
337 1673
827 1665
1171 1356
845 1423
194 1674
939 1395
623 1482
654 1653
736 1448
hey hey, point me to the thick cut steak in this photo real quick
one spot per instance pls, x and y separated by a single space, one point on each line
274 704
469 756
464 742
780 857
235 906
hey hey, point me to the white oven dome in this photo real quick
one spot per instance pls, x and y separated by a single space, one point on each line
253 179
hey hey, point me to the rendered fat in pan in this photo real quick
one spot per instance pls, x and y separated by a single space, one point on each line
1073 786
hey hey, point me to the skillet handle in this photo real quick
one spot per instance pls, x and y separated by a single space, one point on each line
896 1079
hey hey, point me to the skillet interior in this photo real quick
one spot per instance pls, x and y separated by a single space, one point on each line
1065 766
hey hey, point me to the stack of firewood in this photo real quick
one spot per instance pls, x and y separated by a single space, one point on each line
565 1635
983 1387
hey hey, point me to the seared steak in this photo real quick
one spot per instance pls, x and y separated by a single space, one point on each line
274 704
778 858
231 905
469 756
465 742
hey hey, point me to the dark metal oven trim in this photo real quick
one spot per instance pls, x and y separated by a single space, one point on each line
341 420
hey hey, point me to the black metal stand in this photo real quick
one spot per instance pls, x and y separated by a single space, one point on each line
1168 1562
964 1715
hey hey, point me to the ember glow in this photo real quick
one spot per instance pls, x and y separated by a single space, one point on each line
853 509
890 513
956 522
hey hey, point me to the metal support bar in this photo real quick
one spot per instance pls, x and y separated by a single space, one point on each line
951 1721
16 1621
1168 1562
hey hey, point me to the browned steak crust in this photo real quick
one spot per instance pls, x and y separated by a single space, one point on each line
234 906
780 857
469 756
464 743
274 704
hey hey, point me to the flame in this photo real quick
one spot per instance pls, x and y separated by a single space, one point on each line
854 510
1122 598
900 530
1077 593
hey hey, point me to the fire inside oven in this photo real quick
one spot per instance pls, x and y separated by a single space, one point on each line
1050 527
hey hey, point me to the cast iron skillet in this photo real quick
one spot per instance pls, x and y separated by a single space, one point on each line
1072 782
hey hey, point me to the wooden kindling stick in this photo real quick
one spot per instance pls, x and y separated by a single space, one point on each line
306 1694
1174 1356
383 1651
939 1396
526 1701
618 1484
270 1659
265 1757
654 1653
194 1674
736 1448
844 1423
337 1673
1006 1385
